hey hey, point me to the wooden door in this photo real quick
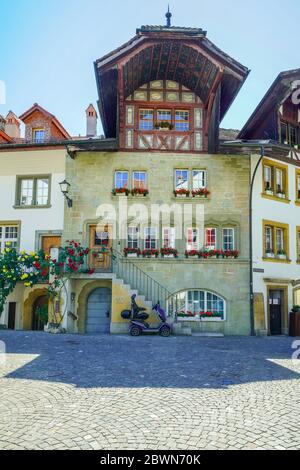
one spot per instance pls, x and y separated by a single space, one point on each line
11 315
275 309
49 242
98 311
100 243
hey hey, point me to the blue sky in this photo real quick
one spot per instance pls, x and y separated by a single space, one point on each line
48 47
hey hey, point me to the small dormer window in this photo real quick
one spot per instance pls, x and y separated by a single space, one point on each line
38 135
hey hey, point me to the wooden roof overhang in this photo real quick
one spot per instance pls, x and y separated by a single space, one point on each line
184 55
277 94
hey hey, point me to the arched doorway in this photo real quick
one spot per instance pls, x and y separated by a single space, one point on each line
98 311
40 313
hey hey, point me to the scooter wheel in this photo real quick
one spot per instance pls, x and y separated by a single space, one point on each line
135 331
165 331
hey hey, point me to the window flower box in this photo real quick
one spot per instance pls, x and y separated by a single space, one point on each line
201 193
163 126
139 192
131 252
181 193
169 252
151 253
233 254
192 254
269 192
270 254
281 195
282 255
120 192
188 316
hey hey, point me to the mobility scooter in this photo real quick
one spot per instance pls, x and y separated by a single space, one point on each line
138 317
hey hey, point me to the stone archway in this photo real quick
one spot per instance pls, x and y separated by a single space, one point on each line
82 301
28 306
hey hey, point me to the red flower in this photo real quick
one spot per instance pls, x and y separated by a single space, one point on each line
37 265
91 271
44 272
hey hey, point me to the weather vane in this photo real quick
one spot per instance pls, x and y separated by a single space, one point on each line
168 16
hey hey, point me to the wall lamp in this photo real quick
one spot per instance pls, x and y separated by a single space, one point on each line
64 187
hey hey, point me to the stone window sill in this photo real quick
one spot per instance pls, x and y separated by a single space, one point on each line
206 320
277 260
190 198
47 206
276 198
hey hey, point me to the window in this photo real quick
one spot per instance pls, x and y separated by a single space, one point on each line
181 179
133 237
38 135
275 180
200 304
210 238
298 185
276 240
150 240
192 239
228 239
146 119
269 239
33 191
199 179
268 178
121 179
181 120
164 115
169 237
8 234
289 134
139 179
298 243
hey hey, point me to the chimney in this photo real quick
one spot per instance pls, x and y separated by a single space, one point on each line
12 126
91 121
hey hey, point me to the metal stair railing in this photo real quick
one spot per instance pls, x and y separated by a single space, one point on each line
139 280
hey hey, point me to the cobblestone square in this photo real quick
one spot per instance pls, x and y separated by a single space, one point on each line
117 392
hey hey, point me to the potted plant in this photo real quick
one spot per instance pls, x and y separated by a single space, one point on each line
181 192
269 190
201 193
281 254
270 254
131 252
167 252
216 254
139 192
185 315
163 126
230 254
150 253
120 191
211 315
192 253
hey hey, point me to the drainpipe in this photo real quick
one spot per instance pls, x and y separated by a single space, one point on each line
262 154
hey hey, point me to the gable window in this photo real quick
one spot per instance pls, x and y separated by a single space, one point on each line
276 240
150 240
169 237
133 237
289 134
181 179
275 180
38 135
33 191
192 239
199 179
210 238
181 121
8 234
121 179
139 180
146 119
228 239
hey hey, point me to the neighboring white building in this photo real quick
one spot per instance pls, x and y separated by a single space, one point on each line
32 205
272 137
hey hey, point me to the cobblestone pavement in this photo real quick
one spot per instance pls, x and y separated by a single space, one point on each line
118 392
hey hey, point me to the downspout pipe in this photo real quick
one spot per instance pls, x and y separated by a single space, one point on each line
262 154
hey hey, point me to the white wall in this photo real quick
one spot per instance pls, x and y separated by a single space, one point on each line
37 162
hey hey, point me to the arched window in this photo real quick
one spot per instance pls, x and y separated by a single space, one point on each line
199 304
